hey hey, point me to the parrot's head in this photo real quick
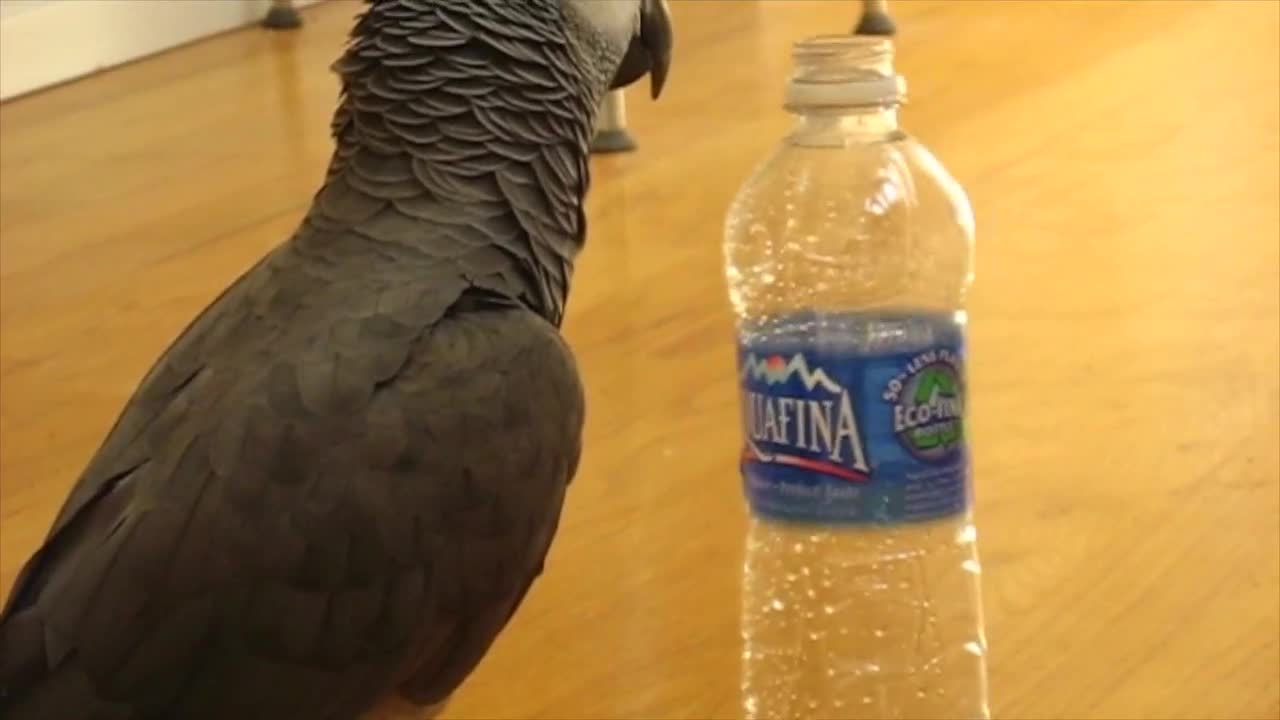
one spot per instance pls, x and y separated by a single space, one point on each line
636 37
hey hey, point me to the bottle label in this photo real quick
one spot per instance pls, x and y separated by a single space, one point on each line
845 431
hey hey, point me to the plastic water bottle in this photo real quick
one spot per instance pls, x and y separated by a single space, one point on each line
848 257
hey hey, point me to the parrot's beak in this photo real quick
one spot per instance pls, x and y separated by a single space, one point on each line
650 49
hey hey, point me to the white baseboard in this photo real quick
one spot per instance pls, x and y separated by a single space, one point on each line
53 42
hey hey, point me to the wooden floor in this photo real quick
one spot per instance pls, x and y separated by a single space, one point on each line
1123 162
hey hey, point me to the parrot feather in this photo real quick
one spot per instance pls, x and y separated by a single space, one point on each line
339 482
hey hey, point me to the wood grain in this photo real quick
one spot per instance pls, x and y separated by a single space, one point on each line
1123 159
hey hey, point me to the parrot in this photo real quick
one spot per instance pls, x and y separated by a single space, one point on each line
333 490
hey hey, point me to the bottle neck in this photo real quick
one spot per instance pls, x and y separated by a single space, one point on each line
836 127
844 90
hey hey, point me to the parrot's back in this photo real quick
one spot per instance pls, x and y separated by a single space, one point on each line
340 483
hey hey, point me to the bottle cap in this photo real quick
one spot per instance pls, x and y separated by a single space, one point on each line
844 70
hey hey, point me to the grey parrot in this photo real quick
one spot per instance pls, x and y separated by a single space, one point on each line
335 487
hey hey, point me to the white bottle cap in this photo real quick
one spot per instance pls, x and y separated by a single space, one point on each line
844 70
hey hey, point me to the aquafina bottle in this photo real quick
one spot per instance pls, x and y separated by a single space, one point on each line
848 257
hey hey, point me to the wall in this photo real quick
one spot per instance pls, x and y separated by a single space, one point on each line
93 35
9 8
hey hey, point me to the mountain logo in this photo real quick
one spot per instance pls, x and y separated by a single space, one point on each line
777 370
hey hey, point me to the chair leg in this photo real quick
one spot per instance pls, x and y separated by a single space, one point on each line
282 16
875 19
612 135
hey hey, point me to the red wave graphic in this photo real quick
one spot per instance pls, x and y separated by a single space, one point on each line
749 454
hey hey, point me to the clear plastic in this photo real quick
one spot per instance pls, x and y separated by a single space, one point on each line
850 216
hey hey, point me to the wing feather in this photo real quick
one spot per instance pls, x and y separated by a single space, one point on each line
296 532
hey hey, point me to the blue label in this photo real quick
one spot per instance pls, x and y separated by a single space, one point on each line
854 418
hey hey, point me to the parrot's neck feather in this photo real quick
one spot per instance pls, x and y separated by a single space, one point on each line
467 127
